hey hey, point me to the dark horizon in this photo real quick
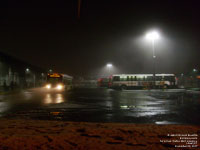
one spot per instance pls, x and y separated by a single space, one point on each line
50 35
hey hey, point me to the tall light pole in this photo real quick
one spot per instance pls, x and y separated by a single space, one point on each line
153 36
109 66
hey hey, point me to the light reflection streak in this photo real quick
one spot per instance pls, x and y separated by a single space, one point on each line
59 98
27 95
3 107
53 99
48 99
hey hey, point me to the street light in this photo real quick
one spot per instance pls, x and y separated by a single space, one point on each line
27 69
194 70
109 66
153 35
182 74
50 70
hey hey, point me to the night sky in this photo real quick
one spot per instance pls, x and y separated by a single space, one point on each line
49 34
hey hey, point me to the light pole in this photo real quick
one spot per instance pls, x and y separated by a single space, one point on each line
153 36
109 66
194 77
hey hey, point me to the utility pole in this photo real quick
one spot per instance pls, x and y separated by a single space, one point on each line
79 9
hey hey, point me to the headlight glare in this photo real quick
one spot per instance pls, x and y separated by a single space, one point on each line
59 87
48 86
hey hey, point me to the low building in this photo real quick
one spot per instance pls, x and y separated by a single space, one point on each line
15 73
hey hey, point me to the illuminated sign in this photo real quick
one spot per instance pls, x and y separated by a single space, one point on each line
55 75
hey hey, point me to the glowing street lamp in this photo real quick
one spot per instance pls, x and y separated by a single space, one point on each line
50 70
109 66
194 70
182 74
27 70
153 36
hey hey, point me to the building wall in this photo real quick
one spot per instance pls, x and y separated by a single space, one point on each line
15 74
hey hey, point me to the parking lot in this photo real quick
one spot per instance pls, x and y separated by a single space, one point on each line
172 106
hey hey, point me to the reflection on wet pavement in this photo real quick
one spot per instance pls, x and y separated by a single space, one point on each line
3 108
53 99
105 105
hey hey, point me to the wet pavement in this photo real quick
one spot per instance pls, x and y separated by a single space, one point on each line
173 106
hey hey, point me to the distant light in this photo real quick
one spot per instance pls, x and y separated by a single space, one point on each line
195 70
27 69
50 70
152 35
182 74
109 65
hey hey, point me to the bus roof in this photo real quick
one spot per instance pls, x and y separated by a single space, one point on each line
67 76
60 75
143 74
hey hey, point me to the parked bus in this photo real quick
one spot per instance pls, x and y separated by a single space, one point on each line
125 81
58 82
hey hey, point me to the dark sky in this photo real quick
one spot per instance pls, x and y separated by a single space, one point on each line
49 34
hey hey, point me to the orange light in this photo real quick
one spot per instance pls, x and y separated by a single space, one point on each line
55 75
55 113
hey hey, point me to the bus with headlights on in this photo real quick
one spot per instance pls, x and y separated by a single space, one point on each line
58 82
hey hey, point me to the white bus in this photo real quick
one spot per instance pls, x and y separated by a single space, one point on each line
125 81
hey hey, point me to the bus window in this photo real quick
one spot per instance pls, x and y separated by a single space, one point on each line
162 78
116 78
169 78
54 80
149 78
127 78
123 79
137 78
132 78
144 78
140 78
158 78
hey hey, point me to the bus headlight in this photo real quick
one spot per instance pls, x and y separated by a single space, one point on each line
59 87
48 86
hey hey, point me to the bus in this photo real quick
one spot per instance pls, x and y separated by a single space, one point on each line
58 82
127 81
